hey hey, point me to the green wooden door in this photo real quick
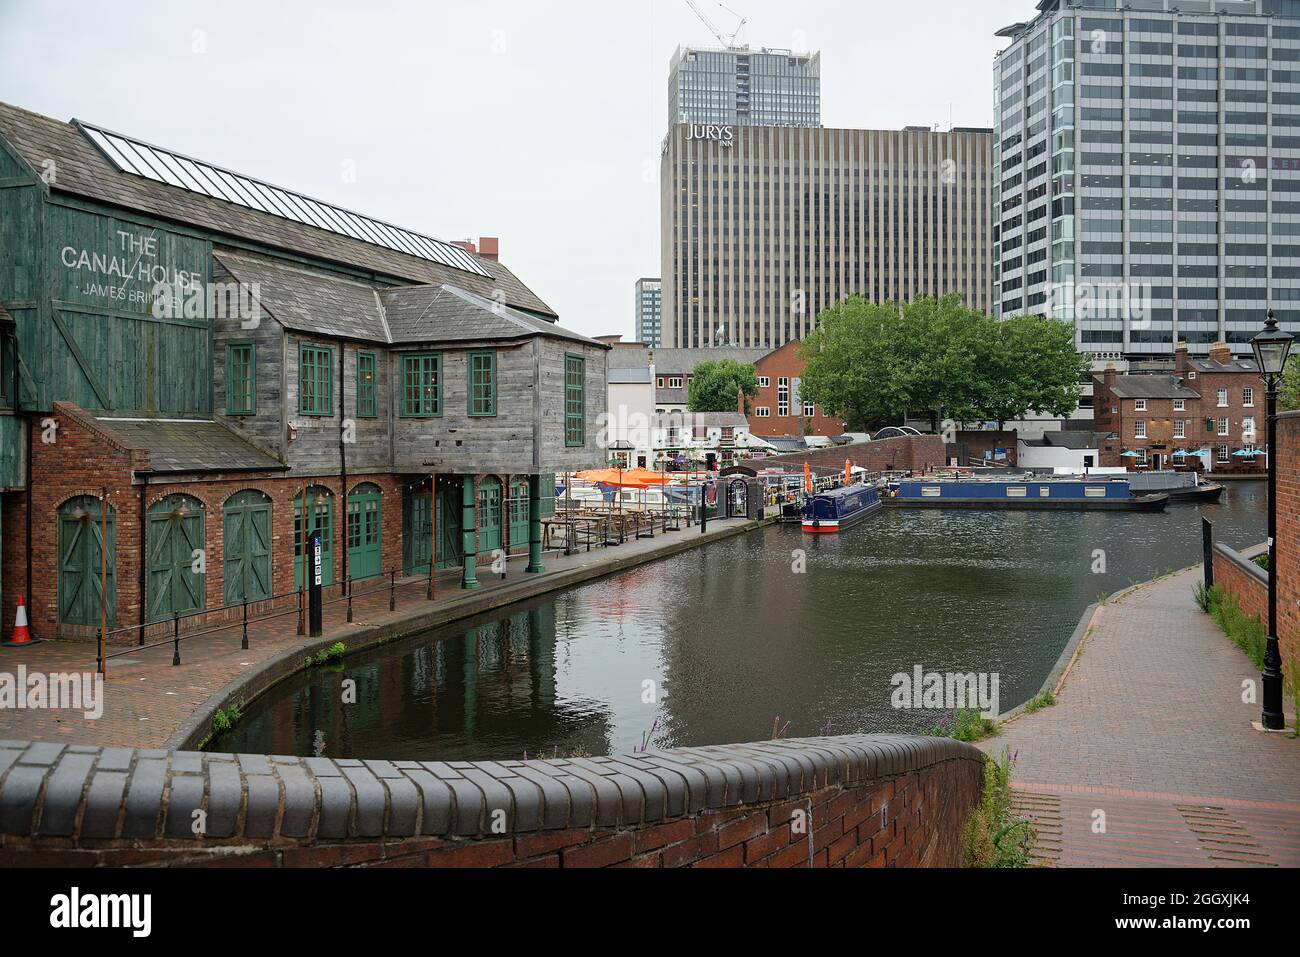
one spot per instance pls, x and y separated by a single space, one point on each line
518 512
247 544
451 545
365 512
80 581
417 529
320 508
489 514
176 560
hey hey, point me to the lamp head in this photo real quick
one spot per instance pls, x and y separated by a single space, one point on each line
1272 347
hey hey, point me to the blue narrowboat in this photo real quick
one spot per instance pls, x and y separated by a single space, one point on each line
1023 494
839 508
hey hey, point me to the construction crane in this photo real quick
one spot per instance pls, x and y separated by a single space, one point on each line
727 40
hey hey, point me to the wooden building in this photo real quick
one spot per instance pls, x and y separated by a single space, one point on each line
213 354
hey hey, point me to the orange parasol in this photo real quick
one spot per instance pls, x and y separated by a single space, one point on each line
848 473
646 477
620 477
807 477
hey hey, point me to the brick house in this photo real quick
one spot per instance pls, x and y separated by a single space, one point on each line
778 410
1202 416
382 388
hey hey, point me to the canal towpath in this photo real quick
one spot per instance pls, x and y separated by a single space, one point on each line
1149 757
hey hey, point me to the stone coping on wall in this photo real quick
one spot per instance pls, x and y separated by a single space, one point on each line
1245 560
69 798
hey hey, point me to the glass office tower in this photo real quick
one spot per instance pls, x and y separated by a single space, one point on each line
1147 165
743 87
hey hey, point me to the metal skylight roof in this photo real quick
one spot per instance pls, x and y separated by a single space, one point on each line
174 169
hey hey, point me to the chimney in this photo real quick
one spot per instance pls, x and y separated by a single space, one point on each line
740 401
489 247
1220 353
1108 377
1180 359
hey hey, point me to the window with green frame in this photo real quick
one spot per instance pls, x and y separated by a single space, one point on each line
422 385
575 400
241 378
315 383
367 394
482 383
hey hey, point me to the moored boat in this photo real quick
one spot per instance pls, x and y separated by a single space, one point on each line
839 508
1024 494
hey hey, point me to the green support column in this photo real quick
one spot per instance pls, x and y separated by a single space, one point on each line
535 566
469 528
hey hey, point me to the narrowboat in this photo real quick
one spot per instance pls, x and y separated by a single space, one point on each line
839 508
1024 494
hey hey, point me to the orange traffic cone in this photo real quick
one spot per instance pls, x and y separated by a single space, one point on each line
22 634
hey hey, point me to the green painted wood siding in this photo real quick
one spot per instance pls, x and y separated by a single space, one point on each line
13 444
482 383
575 400
101 343
315 380
321 518
364 532
489 514
422 385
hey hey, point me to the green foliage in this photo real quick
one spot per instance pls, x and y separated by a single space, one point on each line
334 652
1288 397
1206 598
1262 561
964 724
715 386
226 718
876 363
995 835
1044 700
1245 630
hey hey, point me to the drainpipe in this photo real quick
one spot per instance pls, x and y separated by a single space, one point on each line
142 572
343 457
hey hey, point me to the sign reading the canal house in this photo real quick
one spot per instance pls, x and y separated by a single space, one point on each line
102 261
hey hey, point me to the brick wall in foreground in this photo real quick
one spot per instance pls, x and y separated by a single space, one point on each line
861 800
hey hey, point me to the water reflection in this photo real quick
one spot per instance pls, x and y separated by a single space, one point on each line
718 641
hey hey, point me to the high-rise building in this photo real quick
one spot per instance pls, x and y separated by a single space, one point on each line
742 87
1148 171
764 227
649 312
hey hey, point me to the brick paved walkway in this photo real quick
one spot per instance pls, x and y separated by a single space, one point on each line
148 698
1150 729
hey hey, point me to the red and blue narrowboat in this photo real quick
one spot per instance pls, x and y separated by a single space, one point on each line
839 508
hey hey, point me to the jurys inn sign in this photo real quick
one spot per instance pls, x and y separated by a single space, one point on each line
721 134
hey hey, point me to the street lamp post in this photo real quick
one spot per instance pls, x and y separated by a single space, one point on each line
1272 347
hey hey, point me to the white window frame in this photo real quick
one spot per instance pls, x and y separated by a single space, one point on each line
675 382
1140 429
1139 405
1223 427
1180 429
1223 454
1248 397
809 410
763 412
1223 398
764 382
1180 405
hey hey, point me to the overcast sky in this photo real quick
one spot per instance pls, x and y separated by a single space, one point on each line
538 121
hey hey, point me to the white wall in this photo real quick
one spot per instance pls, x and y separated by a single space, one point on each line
1051 457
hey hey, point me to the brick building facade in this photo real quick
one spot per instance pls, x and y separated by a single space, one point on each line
1213 406
778 409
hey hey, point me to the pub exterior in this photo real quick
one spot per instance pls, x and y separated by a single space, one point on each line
200 368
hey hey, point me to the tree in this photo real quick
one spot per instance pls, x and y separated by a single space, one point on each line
1288 398
938 357
715 386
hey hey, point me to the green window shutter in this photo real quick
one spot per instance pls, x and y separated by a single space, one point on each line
241 378
575 400
367 402
482 383
422 385
315 383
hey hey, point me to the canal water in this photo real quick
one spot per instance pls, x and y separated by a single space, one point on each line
722 643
